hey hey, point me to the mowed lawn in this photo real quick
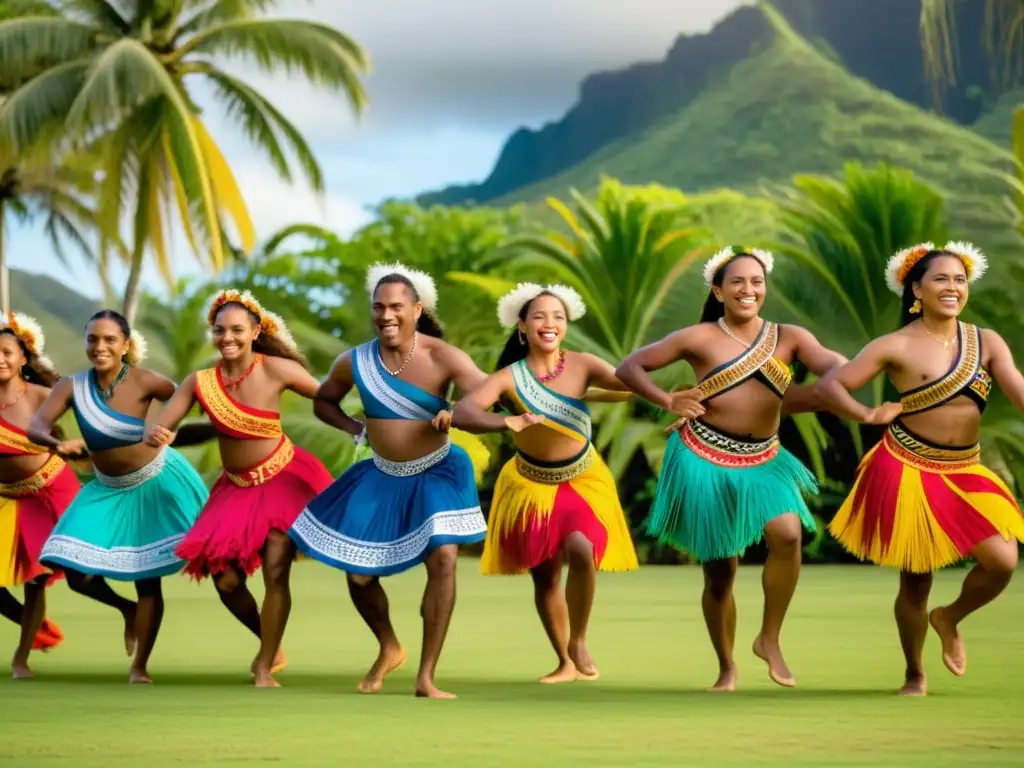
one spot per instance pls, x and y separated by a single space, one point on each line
648 708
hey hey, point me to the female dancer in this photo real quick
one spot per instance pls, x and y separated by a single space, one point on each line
922 500
36 486
124 524
726 482
556 499
267 481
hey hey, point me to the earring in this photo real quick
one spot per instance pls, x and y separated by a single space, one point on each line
915 308
522 339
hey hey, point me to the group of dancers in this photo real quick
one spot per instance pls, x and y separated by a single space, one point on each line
921 499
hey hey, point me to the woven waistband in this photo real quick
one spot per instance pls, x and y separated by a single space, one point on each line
267 469
554 474
725 449
414 467
922 454
38 480
132 479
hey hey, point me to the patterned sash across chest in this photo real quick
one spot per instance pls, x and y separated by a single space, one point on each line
388 397
757 361
566 415
965 377
14 441
231 417
102 427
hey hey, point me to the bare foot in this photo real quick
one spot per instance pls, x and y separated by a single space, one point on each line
726 681
20 671
916 685
263 679
129 633
770 653
425 689
388 660
139 677
585 668
279 663
566 673
954 654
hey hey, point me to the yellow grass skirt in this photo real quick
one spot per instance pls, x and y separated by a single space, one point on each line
537 505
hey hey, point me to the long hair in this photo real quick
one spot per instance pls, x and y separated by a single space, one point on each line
268 344
428 325
32 371
915 275
714 310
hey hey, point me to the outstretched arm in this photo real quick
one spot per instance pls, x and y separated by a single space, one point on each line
835 386
1003 369
603 386
634 373
177 408
292 376
460 368
328 397
818 360
40 429
471 413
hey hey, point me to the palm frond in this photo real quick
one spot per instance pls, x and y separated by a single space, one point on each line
31 42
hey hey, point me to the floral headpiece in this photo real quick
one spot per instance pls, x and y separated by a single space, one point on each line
512 303
270 323
30 333
729 253
422 283
137 348
900 264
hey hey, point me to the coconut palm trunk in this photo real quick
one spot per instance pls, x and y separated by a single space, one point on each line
5 275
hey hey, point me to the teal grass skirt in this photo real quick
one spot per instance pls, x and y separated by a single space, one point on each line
717 492
126 528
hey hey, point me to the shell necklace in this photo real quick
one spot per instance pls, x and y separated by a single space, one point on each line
408 357
731 335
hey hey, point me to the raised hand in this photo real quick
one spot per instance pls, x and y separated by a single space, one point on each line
519 423
442 421
884 414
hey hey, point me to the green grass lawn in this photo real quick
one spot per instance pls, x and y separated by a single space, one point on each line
647 709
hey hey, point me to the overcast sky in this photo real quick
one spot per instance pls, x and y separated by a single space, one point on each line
451 80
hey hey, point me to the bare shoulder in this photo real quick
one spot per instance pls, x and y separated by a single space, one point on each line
585 359
442 352
797 332
38 393
281 367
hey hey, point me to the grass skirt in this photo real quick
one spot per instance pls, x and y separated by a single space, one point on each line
537 505
126 528
29 510
717 492
918 507
383 517
243 509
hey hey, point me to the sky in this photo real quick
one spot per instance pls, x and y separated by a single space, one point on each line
447 88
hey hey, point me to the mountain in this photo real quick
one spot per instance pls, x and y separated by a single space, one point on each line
616 106
63 314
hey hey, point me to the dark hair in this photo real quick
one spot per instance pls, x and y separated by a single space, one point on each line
714 310
516 348
32 371
117 317
428 325
268 344
915 275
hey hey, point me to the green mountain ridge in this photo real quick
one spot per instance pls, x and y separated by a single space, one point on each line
788 110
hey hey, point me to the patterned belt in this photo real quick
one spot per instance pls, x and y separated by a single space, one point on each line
266 470
414 467
36 482
555 475
920 454
727 450
132 479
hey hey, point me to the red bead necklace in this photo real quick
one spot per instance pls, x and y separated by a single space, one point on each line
236 383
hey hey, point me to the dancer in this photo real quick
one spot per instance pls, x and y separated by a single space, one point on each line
36 486
726 482
415 501
556 500
921 499
266 481
124 524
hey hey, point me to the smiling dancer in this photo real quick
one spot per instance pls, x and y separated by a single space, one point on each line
124 524
726 483
36 485
921 499
416 500
556 500
266 481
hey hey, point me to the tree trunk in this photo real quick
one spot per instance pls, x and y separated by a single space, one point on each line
5 275
131 290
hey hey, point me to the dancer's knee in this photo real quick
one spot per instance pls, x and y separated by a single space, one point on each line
359 580
228 581
77 581
148 588
278 559
719 576
914 590
784 535
996 555
441 562
579 551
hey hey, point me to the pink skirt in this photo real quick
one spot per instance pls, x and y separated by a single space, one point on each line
245 507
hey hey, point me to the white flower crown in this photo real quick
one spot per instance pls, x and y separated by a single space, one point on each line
728 253
137 348
421 282
512 303
30 333
899 266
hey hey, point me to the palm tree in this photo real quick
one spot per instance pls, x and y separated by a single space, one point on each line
116 75
625 253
